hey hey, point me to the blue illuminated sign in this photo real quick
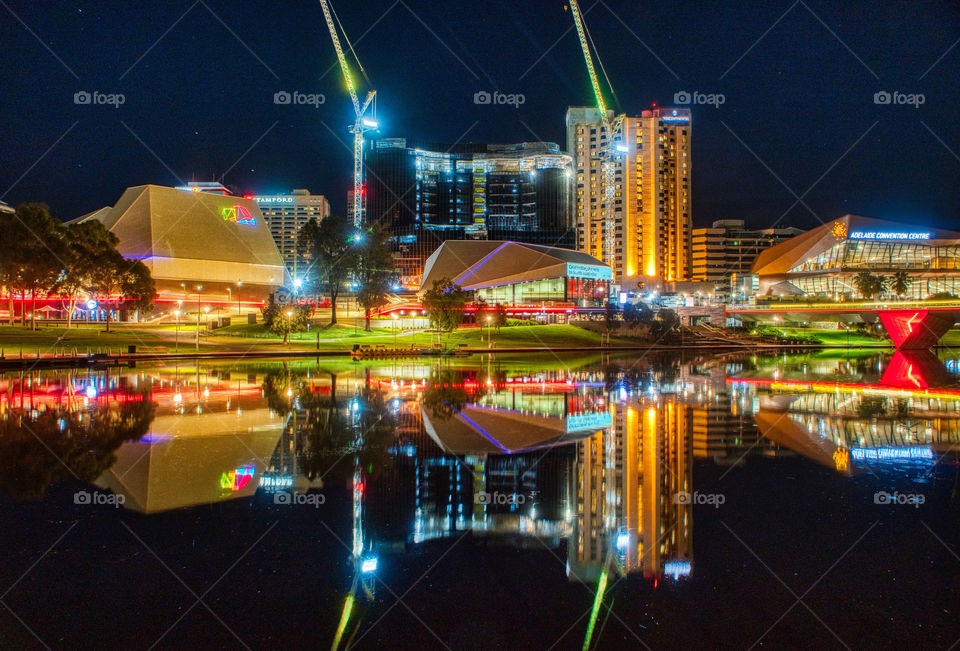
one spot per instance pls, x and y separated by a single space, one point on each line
890 235
589 421
596 272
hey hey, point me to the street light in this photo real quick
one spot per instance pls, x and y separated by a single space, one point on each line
239 285
489 340
289 314
393 315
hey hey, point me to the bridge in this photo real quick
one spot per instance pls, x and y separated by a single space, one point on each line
911 325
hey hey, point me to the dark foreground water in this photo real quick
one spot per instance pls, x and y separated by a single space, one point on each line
704 502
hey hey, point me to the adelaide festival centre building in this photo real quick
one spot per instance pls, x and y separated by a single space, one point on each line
826 260
201 248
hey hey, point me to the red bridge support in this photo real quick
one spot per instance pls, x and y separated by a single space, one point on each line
917 329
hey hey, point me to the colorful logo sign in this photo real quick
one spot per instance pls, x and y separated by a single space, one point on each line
238 215
839 230
237 480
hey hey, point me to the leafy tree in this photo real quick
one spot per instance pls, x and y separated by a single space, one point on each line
667 321
610 315
374 270
900 283
86 244
499 316
282 320
869 285
116 281
33 249
444 303
331 246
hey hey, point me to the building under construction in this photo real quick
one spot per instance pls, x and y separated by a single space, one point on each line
426 194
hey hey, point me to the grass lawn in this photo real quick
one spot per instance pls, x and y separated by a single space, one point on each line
836 337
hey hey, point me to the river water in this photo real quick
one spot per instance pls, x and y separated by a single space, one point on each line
656 501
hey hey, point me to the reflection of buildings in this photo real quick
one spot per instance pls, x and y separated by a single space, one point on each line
629 480
209 442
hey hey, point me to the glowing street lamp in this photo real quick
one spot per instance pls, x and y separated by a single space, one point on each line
177 335
394 316
199 289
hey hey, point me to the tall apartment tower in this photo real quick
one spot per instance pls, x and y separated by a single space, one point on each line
286 214
641 227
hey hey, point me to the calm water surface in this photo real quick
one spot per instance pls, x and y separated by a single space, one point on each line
791 501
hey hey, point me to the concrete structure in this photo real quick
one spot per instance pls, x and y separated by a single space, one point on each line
286 214
193 239
645 234
514 273
826 260
728 248
426 194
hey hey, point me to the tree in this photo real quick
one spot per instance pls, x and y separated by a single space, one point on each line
610 315
116 281
667 321
499 316
331 246
900 283
281 320
444 303
374 270
868 284
85 244
34 251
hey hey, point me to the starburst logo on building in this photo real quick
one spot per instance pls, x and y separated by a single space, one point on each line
237 215
839 230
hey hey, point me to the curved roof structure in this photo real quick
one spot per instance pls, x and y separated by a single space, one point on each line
194 236
473 264
781 258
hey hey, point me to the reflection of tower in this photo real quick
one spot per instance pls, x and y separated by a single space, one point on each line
627 479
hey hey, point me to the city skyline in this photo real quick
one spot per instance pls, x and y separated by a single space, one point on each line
798 138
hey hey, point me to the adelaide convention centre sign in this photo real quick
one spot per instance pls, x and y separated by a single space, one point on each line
589 271
890 235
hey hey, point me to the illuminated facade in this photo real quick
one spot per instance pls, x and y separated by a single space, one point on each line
196 239
824 261
426 194
642 226
286 214
513 273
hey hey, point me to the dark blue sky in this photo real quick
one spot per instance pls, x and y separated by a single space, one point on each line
198 80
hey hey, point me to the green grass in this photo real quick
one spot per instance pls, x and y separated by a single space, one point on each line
834 337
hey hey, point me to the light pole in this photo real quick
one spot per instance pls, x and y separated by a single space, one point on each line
287 333
239 285
229 300
199 289
393 315
489 339
177 335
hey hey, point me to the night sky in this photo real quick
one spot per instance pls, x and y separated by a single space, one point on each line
198 80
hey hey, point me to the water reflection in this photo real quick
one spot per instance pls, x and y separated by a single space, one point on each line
593 461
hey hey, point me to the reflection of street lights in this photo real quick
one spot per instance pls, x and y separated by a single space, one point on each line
177 335
199 289
393 315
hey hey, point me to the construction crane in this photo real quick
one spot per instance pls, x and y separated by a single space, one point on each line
363 121
609 156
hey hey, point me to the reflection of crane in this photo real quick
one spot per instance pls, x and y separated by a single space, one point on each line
610 124
362 124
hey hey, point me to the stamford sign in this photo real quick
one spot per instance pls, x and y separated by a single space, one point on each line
889 235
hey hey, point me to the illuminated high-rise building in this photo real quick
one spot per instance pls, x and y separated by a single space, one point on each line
641 225
285 215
